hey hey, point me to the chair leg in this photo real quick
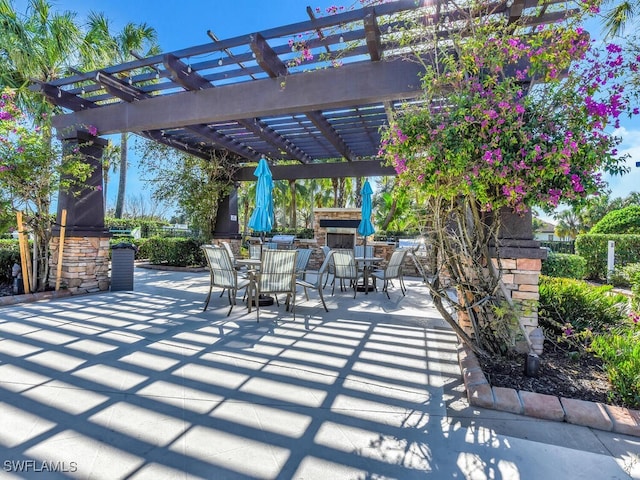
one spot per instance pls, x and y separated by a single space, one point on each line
386 288
322 299
294 305
206 302
230 301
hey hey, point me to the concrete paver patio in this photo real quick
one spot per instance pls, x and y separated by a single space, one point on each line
144 385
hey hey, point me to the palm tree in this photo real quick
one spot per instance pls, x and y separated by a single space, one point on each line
39 45
121 48
569 224
617 18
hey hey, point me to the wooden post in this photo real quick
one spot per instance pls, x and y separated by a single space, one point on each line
63 224
24 253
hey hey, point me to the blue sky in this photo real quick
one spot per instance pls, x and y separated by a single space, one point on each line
185 24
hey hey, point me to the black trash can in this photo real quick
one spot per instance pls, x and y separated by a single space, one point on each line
122 257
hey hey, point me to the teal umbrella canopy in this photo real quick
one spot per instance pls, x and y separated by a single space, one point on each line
262 217
365 228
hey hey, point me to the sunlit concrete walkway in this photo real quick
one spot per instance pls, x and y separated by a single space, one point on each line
143 384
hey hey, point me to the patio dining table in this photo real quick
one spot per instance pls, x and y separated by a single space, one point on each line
253 267
366 263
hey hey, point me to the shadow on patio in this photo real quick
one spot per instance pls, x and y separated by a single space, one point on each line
143 384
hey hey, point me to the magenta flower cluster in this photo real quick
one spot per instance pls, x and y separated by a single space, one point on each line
492 141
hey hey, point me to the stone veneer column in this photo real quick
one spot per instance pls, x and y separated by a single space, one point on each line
521 262
85 262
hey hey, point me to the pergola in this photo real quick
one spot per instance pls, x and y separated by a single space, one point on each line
310 97
311 92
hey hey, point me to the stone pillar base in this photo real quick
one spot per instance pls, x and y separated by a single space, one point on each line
85 264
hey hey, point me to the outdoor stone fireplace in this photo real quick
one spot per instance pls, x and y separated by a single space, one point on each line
336 227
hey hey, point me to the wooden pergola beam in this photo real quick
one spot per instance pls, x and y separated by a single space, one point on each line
352 85
360 168
119 88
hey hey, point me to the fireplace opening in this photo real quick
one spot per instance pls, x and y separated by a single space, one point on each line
341 240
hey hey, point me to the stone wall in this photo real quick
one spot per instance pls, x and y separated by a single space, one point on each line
85 264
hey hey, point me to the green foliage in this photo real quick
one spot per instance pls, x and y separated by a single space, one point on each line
9 254
620 352
568 301
182 252
623 221
633 274
625 276
564 265
586 316
193 184
594 248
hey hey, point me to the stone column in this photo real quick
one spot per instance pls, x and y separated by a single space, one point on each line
521 261
85 262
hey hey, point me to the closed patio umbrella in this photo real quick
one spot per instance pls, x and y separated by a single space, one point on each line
262 217
365 228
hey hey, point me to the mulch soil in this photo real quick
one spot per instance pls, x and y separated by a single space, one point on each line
562 373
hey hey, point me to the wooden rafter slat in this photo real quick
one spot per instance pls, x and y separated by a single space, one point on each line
267 58
62 98
372 34
319 32
272 64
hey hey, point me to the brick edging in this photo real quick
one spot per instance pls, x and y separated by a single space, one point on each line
579 412
33 297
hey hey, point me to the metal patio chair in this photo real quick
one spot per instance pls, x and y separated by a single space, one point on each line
393 270
346 268
277 275
222 274
318 284
304 255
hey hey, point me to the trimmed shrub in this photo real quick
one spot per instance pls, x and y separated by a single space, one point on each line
623 221
565 300
175 251
564 265
593 248
9 254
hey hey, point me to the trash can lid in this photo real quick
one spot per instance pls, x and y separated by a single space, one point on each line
124 245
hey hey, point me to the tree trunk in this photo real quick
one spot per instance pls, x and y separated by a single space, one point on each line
122 185
334 184
390 215
294 217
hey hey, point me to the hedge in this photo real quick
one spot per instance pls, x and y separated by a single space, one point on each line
593 248
175 251
623 221
564 265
